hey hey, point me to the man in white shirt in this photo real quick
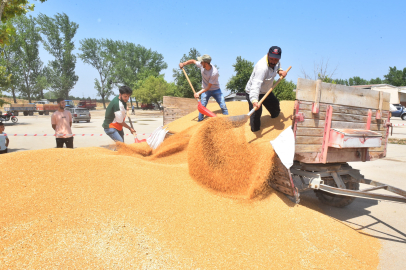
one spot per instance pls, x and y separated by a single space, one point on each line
61 121
260 82
210 83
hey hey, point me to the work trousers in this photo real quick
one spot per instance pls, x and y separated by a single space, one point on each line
271 103
4 151
116 135
218 96
67 141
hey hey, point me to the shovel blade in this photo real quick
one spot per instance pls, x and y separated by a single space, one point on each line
140 141
239 120
204 110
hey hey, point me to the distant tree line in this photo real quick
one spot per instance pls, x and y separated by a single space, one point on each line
23 74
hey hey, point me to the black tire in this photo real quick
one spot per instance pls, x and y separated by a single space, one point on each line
25 113
41 113
88 121
337 200
14 119
404 116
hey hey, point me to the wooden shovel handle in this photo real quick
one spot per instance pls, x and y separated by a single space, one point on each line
272 88
187 77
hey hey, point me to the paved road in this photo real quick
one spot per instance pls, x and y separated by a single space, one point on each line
383 220
144 122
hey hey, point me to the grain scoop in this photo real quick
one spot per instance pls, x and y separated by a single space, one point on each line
240 120
200 107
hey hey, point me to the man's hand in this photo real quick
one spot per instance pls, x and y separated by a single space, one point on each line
181 65
255 104
197 95
133 131
283 73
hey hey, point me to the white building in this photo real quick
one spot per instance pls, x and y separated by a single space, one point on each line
397 94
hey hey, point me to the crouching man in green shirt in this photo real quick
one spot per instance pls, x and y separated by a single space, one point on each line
114 119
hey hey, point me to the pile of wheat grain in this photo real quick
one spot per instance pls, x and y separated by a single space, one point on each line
92 208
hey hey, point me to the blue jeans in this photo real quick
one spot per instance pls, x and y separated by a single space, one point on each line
218 96
116 135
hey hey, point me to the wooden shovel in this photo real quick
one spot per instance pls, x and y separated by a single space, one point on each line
239 120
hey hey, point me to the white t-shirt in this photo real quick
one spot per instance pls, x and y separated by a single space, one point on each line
209 76
3 142
261 79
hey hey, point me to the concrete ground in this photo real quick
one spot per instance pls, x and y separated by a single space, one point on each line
143 121
380 219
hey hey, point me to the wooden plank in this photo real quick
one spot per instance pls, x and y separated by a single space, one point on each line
305 148
309 140
341 94
316 123
344 156
307 106
303 131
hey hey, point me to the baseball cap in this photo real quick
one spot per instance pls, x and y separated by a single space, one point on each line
205 58
275 52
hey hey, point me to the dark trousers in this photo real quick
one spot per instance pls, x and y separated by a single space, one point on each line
67 141
271 103
3 151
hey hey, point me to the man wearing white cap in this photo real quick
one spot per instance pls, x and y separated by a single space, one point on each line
210 83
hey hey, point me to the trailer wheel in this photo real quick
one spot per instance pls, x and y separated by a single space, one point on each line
41 113
25 113
337 200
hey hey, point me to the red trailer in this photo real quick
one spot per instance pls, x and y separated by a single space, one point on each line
88 104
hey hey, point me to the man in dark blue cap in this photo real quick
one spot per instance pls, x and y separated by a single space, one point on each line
260 82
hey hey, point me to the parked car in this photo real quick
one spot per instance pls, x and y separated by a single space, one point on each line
69 103
399 112
88 104
147 106
79 114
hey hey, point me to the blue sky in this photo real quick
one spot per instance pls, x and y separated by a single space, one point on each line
359 38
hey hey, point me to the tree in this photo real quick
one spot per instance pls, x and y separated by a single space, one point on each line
321 71
42 83
194 74
396 77
11 68
28 38
376 81
152 90
59 32
243 69
8 10
130 61
99 54
284 90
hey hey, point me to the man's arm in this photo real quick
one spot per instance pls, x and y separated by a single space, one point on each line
282 73
53 122
203 90
188 62
7 141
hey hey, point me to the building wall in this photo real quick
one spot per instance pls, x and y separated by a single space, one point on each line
393 91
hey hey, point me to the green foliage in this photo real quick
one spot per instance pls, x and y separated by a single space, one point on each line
132 63
99 54
8 10
396 77
284 90
59 32
152 90
30 65
50 95
194 74
243 69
